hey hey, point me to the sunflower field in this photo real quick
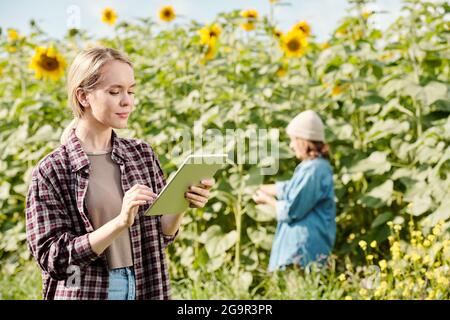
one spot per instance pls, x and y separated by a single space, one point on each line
383 96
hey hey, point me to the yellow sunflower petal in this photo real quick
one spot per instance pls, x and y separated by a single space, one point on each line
302 26
248 26
109 16
294 44
167 13
13 35
251 17
47 63
51 53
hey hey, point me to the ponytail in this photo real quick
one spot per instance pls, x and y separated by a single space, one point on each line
66 133
315 149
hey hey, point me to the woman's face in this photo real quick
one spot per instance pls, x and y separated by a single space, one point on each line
298 145
112 101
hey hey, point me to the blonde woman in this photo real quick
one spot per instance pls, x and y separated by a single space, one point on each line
305 206
84 208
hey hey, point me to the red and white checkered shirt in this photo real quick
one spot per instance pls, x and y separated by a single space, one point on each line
58 223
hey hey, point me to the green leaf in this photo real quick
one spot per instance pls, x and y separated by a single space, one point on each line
216 242
242 284
381 219
5 188
435 91
441 105
379 196
44 133
376 163
259 237
420 205
441 213
261 212
384 128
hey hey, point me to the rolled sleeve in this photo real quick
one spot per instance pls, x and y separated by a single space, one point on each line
168 239
282 208
83 248
280 188
48 227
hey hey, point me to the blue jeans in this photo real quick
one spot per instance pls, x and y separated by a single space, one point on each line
122 285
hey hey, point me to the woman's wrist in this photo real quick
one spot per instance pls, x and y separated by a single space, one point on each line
272 201
120 224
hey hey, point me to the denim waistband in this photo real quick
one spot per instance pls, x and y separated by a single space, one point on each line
122 271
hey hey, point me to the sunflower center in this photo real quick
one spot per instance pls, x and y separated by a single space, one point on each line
108 15
49 64
212 34
167 13
293 45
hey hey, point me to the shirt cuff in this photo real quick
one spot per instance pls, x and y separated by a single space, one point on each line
282 208
168 239
279 186
84 250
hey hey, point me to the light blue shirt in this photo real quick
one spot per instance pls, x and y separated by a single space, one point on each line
306 214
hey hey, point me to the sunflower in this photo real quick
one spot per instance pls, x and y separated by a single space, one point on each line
366 14
358 35
209 34
324 45
167 13
303 26
341 31
11 49
47 63
109 16
211 52
338 88
278 33
294 44
386 56
281 72
336 91
13 35
251 16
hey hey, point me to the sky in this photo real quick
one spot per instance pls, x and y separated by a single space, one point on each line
56 16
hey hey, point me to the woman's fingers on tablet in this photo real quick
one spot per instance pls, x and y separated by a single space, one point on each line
199 191
195 197
196 204
208 183
143 189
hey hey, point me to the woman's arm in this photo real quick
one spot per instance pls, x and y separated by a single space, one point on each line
104 236
269 189
171 223
49 230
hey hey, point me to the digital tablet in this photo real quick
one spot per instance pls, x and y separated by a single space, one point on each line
194 168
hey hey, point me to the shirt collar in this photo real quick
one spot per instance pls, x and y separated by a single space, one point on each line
78 158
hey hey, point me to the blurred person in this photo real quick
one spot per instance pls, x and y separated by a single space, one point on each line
305 206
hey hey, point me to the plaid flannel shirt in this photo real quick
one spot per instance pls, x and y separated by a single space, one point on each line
58 223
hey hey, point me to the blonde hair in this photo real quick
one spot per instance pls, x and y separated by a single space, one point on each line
85 72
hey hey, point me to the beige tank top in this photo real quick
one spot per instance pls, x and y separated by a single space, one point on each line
104 202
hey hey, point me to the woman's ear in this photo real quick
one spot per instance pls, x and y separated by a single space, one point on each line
82 97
